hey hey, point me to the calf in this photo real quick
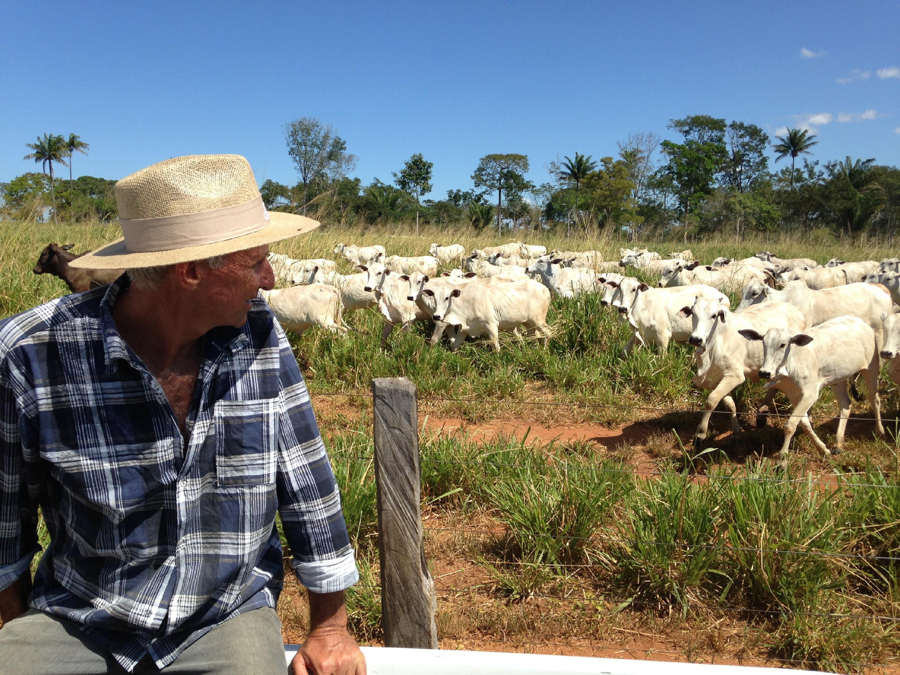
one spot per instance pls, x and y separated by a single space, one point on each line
532 251
451 254
727 279
55 259
816 279
566 282
789 263
487 307
425 264
800 364
300 307
654 314
724 358
417 283
391 291
289 271
360 255
352 286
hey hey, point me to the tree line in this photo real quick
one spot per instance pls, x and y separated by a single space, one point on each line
715 177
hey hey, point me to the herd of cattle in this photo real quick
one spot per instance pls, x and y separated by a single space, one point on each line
799 326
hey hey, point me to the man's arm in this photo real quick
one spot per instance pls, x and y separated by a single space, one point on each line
329 648
14 599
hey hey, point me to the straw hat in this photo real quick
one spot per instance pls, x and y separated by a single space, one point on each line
191 208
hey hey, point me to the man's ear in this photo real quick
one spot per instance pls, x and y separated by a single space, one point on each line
189 274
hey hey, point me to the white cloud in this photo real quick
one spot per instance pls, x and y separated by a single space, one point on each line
887 73
858 117
897 130
844 80
810 54
855 74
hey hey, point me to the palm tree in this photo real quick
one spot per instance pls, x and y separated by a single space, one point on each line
796 142
72 145
51 148
575 171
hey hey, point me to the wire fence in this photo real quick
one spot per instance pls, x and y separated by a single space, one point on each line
606 536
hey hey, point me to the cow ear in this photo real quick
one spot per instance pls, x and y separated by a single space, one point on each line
685 311
801 339
67 247
692 265
556 261
643 287
405 277
750 334
425 279
612 284
428 292
387 273
454 293
721 315
708 268
315 269
470 275
362 267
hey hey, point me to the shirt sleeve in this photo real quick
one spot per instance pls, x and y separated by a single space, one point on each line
308 496
18 500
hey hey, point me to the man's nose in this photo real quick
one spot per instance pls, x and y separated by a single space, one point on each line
267 278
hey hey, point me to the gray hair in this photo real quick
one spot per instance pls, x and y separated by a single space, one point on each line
150 278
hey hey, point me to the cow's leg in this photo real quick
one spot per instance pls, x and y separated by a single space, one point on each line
842 394
732 408
725 386
626 350
494 335
460 337
798 416
385 331
662 340
762 413
871 377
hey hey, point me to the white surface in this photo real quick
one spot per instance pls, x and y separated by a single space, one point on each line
388 661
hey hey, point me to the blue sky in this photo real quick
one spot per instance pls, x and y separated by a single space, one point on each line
142 82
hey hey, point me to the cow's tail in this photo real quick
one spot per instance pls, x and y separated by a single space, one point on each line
854 392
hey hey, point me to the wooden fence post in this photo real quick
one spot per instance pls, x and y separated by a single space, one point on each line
408 600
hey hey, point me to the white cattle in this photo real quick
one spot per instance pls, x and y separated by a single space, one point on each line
360 255
289 270
801 363
532 250
452 254
857 271
507 250
484 269
816 279
299 307
351 286
789 263
487 307
865 301
890 280
426 264
727 279
588 259
724 358
682 255
417 282
755 293
638 252
648 265
391 292
890 349
748 262
654 314
609 282
497 259
566 282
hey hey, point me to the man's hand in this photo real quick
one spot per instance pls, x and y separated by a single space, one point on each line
14 600
329 649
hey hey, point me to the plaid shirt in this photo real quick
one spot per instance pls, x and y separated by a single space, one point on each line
154 541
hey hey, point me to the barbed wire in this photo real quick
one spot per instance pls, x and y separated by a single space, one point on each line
640 542
607 406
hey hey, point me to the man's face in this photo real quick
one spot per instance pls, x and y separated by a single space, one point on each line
230 288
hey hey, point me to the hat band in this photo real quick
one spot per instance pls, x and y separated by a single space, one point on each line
147 235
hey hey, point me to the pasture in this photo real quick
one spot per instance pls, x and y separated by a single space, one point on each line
564 507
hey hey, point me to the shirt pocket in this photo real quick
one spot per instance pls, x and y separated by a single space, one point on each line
246 435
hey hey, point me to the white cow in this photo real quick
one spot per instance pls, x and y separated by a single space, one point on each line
484 269
487 307
727 279
857 271
609 282
654 314
588 259
801 363
299 307
360 255
497 259
724 358
391 291
890 349
817 278
425 264
566 282
532 250
755 293
649 265
352 286
452 254
789 263
289 270
417 282
507 250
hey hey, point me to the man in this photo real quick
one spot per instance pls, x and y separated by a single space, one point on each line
160 423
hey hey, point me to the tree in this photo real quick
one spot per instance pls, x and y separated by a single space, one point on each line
51 148
694 164
637 153
747 165
609 192
73 145
796 142
319 154
24 197
275 195
575 171
854 195
415 179
503 173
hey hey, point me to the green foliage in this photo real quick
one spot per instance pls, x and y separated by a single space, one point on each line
24 196
503 173
694 164
746 167
319 154
795 143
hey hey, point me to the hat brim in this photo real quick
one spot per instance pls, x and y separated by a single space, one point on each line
116 256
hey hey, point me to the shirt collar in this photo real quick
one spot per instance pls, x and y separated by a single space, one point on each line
115 349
